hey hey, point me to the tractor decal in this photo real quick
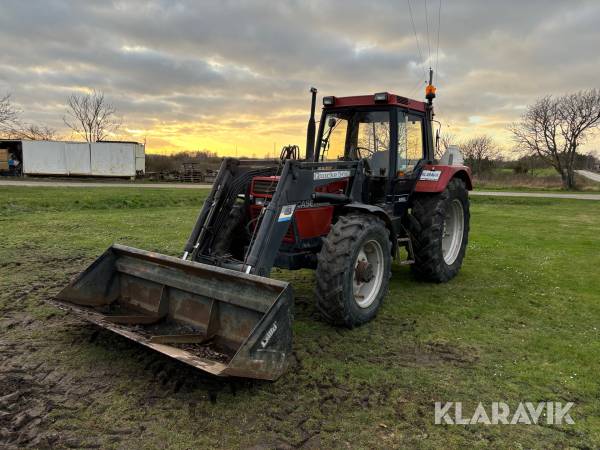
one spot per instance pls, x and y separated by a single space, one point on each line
331 175
430 175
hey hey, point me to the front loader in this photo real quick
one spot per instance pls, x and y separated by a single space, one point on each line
368 191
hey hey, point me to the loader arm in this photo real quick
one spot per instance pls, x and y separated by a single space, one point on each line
297 183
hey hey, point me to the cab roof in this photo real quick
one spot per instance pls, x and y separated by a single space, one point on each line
369 100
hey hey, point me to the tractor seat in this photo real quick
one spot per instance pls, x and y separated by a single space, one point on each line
379 163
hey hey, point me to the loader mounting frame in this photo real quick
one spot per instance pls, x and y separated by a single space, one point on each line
296 185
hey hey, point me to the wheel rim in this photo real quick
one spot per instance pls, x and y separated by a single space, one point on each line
454 225
368 273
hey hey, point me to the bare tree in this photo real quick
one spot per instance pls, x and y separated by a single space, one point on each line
13 127
9 115
555 127
478 151
374 135
90 116
34 132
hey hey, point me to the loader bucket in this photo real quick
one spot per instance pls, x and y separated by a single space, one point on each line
218 320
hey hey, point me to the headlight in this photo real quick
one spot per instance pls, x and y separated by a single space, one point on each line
259 201
380 97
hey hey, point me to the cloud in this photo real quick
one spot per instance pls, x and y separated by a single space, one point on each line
202 73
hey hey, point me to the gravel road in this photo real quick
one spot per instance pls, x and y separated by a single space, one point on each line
589 175
207 186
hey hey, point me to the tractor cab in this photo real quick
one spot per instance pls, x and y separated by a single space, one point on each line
390 133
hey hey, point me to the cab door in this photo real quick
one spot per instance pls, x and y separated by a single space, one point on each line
410 150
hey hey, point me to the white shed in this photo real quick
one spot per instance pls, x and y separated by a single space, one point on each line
100 159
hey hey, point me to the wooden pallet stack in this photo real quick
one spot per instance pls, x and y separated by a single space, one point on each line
191 173
210 176
4 160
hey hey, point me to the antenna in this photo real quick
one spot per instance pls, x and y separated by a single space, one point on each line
430 95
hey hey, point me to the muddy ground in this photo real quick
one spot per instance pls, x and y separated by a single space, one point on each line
38 391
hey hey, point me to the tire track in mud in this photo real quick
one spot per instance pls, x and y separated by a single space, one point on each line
33 393
40 393
330 393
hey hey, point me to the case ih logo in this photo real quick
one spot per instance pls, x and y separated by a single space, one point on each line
331 175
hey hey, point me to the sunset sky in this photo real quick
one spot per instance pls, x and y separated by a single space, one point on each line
224 74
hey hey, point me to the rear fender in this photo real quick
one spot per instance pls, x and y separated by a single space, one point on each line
379 212
428 182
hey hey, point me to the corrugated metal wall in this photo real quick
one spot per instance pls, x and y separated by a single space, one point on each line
114 159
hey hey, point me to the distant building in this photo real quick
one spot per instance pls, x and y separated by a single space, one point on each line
63 158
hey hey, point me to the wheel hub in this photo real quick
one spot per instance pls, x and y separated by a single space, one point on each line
452 231
364 272
368 273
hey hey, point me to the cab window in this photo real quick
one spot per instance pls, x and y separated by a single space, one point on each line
372 140
410 142
353 134
333 144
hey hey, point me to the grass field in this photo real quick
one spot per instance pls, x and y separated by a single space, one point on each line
520 323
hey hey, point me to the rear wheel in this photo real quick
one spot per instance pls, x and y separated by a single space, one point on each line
353 271
439 229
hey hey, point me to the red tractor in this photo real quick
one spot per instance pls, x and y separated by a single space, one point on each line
368 188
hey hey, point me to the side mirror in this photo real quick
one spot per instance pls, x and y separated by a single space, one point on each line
331 122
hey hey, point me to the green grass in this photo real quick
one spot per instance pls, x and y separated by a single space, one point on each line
520 323
34 199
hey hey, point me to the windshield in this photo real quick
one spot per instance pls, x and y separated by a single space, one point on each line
354 135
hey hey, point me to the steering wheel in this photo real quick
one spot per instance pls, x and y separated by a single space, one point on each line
369 152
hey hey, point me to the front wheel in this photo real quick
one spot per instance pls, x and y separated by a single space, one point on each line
354 267
439 229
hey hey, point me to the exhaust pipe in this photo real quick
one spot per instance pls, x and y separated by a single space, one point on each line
310 130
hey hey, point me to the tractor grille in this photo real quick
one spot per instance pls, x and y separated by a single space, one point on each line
264 187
